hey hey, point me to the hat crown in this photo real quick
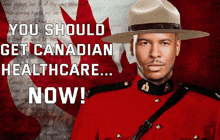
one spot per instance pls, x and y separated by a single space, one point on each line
154 16
153 11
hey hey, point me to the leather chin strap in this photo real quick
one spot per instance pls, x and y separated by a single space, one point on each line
140 68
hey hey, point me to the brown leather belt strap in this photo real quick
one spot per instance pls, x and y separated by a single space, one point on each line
151 26
174 98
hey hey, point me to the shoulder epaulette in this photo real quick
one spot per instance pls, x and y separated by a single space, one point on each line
205 91
110 87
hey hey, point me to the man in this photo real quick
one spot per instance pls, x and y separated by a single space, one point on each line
151 107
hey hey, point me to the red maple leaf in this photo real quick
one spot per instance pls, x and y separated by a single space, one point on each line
106 64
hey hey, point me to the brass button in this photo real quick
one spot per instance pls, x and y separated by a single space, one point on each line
126 83
217 95
87 93
157 100
196 137
158 126
118 136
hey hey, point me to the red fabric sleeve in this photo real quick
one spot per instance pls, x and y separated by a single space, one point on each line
86 123
217 130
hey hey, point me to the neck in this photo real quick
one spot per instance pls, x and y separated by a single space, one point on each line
156 81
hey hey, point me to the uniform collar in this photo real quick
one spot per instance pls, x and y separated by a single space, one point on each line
153 89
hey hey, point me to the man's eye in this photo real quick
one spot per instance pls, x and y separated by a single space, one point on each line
165 43
144 43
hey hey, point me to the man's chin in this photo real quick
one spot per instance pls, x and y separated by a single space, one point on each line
155 79
159 79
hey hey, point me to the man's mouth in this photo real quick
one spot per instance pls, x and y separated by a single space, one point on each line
155 67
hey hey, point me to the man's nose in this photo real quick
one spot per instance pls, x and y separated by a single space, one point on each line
155 51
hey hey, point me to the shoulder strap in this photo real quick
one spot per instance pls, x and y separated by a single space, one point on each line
110 87
202 90
174 98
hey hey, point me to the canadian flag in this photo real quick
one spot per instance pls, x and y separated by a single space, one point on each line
198 62
23 120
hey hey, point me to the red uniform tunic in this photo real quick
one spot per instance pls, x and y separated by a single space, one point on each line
119 114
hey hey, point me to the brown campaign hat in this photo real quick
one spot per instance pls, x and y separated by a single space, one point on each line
154 16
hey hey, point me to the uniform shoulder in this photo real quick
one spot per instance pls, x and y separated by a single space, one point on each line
109 87
202 90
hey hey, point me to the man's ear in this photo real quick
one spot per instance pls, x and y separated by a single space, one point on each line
178 44
131 47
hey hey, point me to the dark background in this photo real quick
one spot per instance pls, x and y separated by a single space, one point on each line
198 62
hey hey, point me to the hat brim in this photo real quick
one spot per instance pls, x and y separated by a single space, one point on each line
127 36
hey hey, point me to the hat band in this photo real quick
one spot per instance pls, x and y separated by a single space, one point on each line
149 26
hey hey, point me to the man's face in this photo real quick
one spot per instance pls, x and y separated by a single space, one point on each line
156 53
